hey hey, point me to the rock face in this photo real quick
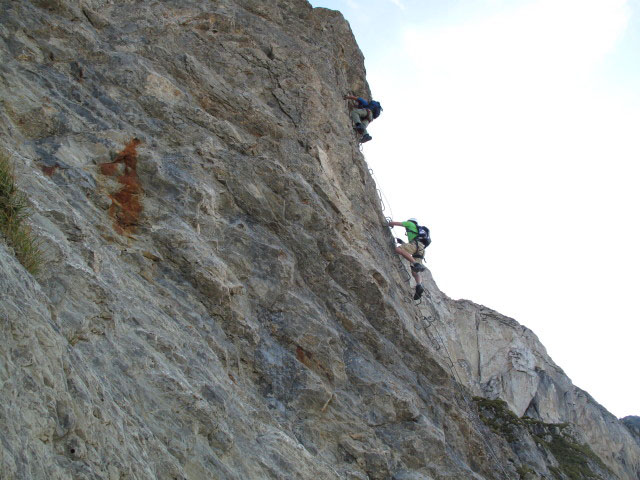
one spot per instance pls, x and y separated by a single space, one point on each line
497 358
545 450
220 299
633 424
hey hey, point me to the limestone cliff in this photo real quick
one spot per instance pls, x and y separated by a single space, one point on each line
497 358
220 298
633 424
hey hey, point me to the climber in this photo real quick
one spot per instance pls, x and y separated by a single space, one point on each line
413 250
363 114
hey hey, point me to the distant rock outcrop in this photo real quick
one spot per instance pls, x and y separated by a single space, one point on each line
220 298
633 424
497 358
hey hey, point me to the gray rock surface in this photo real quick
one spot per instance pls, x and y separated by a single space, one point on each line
545 450
220 299
633 424
498 358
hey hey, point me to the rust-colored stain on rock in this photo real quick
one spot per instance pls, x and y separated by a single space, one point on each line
302 356
125 203
49 171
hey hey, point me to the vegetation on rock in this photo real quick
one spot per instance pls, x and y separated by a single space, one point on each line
14 211
576 461
574 458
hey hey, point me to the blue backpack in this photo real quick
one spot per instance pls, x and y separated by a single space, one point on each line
375 108
372 105
423 236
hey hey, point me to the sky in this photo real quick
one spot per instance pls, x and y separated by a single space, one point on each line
511 129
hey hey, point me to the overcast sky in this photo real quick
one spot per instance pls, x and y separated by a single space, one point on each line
512 128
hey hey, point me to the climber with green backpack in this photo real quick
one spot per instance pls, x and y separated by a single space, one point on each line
363 114
418 239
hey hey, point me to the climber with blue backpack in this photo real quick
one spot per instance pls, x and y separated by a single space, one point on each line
363 114
418 239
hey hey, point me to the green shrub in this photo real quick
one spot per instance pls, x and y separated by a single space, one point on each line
523 470
575 458
576 461
14 211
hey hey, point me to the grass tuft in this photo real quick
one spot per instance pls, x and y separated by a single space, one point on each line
14 211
